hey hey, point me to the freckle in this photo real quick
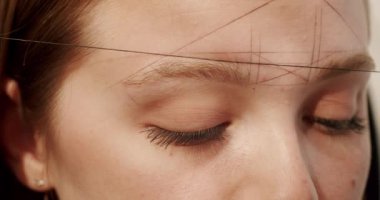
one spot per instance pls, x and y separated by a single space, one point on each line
353 183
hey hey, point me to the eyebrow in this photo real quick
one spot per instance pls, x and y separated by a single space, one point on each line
205 70
361 63
229 72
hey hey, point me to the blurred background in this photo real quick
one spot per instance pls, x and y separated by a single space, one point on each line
375 52
375 91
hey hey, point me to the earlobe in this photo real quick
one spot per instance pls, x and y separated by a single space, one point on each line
33 162
25 147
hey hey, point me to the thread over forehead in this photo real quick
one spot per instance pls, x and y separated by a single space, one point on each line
7 9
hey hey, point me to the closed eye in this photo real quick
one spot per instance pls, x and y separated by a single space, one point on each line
164 138
334 127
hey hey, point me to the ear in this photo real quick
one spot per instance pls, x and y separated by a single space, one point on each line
25 147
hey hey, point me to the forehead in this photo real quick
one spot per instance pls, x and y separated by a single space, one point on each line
234 26
289 32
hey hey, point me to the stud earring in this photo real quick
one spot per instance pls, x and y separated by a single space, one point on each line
40 182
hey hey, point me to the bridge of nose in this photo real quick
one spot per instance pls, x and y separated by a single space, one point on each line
273 162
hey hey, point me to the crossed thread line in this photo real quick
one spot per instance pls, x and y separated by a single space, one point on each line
183 56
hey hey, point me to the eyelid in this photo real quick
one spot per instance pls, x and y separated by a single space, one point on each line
336 101
336 126
163 137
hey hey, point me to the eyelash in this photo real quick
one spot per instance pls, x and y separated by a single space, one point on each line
336 127
164 138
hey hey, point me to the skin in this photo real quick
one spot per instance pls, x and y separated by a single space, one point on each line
96 145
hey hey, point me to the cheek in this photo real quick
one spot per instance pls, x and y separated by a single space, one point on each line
94 156
340 165
88 161
87 165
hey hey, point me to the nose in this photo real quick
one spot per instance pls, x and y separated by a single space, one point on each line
292 177
277 170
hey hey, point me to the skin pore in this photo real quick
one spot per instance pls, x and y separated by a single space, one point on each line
121 124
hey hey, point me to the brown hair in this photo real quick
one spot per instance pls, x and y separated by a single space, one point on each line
36 67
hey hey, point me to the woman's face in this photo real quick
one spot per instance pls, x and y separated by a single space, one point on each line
242 109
